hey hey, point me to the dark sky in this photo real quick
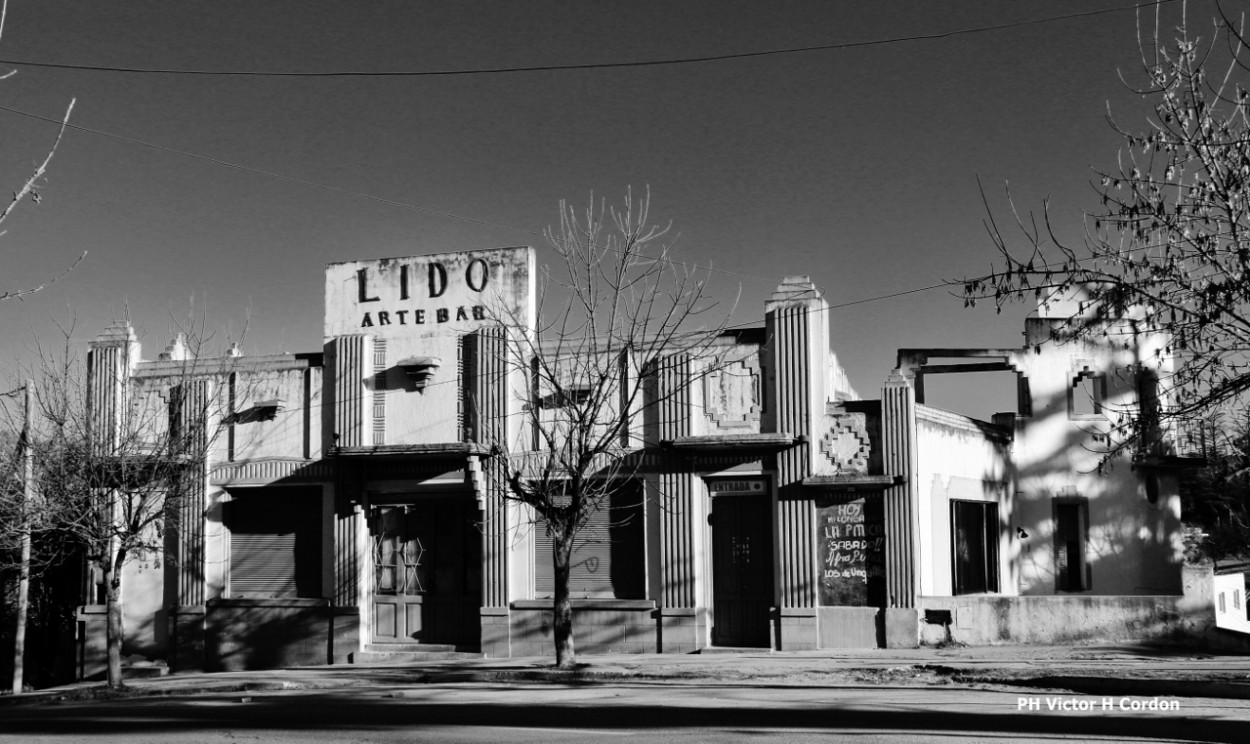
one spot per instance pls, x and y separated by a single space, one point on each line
856 166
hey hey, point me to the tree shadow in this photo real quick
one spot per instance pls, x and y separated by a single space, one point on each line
358 713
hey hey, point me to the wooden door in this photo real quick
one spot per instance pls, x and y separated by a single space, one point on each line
427 563
742 571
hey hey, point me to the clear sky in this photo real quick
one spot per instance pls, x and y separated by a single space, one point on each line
856 166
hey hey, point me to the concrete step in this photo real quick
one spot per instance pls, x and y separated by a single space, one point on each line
386 648
735 650
410 653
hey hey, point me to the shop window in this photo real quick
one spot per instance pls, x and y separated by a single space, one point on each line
608 559
1086 395
974 527
275 544
1071 528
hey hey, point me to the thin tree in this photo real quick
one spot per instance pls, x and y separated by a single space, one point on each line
615 304
1169 248
116 456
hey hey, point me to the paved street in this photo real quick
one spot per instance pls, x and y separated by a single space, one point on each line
995 693
659 711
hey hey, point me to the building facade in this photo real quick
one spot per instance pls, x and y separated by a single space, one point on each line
350 505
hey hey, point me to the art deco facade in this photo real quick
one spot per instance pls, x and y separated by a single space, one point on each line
350 510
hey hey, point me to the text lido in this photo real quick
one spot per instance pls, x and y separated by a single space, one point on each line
476 278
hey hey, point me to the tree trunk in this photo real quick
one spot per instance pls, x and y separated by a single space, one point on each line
116 631
23 581
562 607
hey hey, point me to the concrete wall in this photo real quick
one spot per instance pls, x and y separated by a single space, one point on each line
271 633
981 620
1181 619
599 627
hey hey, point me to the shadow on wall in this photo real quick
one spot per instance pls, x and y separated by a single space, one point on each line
1129 542
270 633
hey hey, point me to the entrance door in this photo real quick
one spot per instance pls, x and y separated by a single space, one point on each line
742 570
427 568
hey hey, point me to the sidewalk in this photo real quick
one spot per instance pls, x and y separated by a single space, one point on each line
1092 670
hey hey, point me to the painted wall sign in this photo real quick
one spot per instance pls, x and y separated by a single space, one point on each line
851 539
451 292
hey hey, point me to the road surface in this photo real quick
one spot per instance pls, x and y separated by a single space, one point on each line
637 713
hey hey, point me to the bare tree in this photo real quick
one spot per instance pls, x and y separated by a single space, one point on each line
1169 249
116 455
612 309
30 187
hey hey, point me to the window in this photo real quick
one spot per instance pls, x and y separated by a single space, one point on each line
1071 527
608 560
275 544
974 527
1222 608
1086 395
1236 599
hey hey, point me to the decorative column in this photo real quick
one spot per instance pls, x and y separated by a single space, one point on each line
350 421
683 621
486 422
898 439
111 358
192 421
348 566
797 321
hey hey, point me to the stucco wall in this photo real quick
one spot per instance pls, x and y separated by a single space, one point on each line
957 458
294 431
1134 545
421 307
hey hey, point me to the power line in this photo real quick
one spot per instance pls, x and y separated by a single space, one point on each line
704 59
432 211
331 188
261 172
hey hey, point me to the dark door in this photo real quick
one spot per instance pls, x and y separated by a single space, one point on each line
427 567
742 571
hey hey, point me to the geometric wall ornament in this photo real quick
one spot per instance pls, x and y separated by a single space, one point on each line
846 445
732 397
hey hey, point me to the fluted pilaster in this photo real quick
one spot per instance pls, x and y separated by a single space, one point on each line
353 363
791 339
486 367
898 439
678 505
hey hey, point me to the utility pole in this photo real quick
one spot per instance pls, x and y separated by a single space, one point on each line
28 494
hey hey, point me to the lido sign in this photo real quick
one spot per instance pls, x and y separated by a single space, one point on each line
452 291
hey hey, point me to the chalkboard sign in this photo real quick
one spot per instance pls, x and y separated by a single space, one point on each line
850 535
